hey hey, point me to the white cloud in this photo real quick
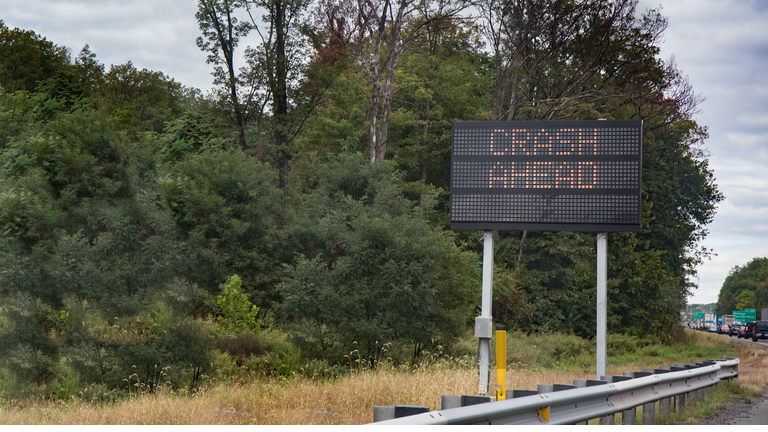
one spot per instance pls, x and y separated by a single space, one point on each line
153 34
723 47
754 119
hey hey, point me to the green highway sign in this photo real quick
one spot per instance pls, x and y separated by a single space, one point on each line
745 315
698 315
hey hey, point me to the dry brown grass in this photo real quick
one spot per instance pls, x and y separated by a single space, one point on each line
753 362
753 370
299 400
349 400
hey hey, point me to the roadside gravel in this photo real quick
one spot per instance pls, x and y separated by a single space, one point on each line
738 413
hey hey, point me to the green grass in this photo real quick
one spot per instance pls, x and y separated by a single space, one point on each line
563 352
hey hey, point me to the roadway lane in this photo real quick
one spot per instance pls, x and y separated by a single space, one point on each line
761 343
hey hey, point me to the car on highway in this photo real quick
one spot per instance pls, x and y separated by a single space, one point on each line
713 328
760 331
734 329
722 329
749 329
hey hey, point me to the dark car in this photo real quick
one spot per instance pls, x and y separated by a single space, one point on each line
734 328
748 329
722 329
742 330
760 331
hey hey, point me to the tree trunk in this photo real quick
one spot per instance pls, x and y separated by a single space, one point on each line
425 141
520 254
374 73
373 118
386 107
280 93
226 40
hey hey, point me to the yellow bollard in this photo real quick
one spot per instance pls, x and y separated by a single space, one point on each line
501 362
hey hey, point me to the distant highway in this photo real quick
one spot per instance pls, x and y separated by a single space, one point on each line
762 343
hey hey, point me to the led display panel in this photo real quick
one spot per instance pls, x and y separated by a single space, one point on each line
580 175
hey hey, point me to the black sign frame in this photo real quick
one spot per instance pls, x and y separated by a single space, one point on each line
576 175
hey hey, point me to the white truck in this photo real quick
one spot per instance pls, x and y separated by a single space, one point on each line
729 319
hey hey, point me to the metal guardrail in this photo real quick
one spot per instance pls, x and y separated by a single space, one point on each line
582 404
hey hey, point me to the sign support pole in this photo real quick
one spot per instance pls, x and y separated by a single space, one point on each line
602 301
483 326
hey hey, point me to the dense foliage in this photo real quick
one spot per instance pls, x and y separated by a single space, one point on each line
746 287
136 214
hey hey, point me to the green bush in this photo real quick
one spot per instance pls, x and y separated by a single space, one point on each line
370 269
241 346
237 313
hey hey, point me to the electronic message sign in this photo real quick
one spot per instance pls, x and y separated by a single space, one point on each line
547 175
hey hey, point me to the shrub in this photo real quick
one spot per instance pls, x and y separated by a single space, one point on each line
241 346
237 313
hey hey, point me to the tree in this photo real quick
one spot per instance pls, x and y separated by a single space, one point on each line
140 100
761 295
558 59
88 227
743 286
227 208
222 32
564 59
370 269
279 60
745 300
26 59
238 315
385 29
440 84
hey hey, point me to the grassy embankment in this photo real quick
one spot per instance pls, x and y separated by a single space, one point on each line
243 397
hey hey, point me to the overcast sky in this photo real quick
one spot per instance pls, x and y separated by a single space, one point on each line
722 45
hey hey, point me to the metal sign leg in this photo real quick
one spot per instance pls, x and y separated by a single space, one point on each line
602 301
483 326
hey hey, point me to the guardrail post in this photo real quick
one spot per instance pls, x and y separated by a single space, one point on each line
381 413
679 399
450 401
690 398
649 409
665 407
523 393
649 413
587 383
628 417
680 403
467 400
549 388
